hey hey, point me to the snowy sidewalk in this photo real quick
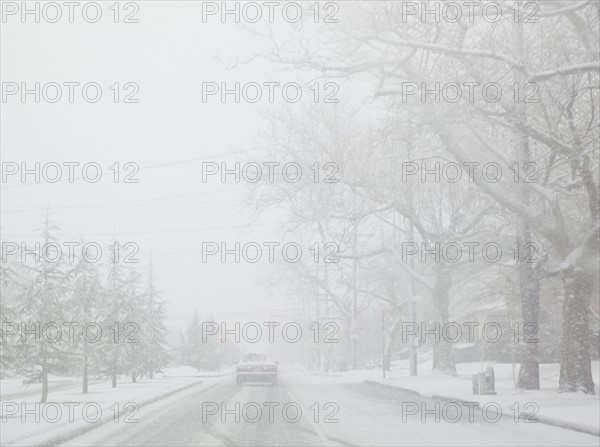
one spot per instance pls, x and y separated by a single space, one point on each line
68 413
576 411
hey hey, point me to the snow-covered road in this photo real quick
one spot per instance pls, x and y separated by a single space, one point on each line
356 414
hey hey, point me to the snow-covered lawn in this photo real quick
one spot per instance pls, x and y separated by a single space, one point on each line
15 388
574 410
68 411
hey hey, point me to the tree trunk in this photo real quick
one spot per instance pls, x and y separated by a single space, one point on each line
115 365
349 343
391 342
443 356
529 284
44 378
84 381
576 363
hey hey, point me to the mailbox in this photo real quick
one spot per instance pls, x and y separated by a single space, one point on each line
483 382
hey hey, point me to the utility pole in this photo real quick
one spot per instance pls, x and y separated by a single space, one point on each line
329 362
383 342
318 322
354 332
413 315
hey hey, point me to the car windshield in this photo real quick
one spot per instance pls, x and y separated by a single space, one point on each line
254 358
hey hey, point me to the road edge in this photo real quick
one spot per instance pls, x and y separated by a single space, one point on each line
80 429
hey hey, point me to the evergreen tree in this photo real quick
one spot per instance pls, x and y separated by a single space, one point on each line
154 330
86 306
41 308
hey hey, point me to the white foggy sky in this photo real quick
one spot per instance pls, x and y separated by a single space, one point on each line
168 54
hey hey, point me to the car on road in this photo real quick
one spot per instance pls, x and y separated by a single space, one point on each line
256 367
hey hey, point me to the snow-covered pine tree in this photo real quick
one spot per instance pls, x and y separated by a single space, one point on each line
113 318
155 354
134 336
86 304
41 306
8 287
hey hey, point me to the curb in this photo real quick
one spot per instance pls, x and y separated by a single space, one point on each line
393 387
522 416
568 425
84 427
320 374
217 375
205 376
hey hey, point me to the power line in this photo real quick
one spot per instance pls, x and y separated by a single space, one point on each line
152 205
266 312
139 200
161 165
179 230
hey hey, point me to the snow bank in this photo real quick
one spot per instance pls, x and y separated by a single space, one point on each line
576 411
